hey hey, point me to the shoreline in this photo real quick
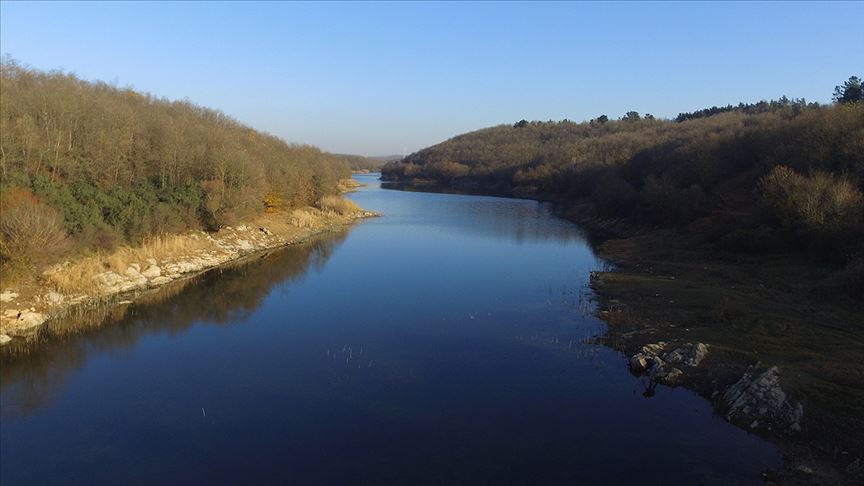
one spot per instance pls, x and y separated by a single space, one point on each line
744 333
28 309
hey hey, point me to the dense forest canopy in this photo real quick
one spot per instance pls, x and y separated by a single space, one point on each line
362 162
107 165
791 172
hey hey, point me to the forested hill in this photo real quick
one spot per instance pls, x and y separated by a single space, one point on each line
109 165
364 163
783 174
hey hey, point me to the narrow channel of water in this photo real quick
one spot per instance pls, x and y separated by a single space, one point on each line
446 342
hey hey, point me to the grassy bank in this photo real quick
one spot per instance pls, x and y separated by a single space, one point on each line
121 275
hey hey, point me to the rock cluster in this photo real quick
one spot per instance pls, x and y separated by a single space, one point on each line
662 361
757 400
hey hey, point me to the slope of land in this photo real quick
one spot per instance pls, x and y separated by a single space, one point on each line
741 228
106 192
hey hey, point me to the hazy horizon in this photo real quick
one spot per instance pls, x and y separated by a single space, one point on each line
379 78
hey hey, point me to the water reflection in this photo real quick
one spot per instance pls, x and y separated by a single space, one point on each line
522 220
34 371
443 343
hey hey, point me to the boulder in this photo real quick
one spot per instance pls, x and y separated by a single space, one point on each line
758 398
152 271
135 278
4 339
54 298
639 363
160 280
30 318
688 354
8 296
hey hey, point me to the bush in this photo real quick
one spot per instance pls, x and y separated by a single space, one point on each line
819 205
30 231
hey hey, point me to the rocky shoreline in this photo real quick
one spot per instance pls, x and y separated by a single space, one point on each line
26 310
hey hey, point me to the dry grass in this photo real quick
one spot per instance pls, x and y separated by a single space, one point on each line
77 276
303 218
348 185
338 205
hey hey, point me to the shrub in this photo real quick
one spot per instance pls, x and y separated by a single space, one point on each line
30 231
819 205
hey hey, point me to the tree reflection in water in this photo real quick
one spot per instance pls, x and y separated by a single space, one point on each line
33 372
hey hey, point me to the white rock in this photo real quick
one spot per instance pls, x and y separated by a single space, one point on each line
244 244
152 271
54 298
8 296
30 318
160 280
4 339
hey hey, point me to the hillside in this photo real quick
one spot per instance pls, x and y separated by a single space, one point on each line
771 177
741 227
89 166
364 163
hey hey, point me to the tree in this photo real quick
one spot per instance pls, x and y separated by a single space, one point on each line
631 116
849 92
602 119
521 123
649 116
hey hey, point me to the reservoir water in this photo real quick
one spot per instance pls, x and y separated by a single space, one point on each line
449 341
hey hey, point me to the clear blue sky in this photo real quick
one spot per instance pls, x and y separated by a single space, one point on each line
385 78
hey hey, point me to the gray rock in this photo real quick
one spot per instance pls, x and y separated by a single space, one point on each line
758 397
639 363
688 354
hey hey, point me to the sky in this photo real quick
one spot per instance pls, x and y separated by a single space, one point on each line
392 78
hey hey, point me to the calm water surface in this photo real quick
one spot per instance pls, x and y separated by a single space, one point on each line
446 342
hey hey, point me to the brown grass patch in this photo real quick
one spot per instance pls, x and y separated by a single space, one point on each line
338 205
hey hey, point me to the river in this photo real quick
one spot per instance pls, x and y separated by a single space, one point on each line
449 341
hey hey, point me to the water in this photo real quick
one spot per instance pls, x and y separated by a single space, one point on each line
446 342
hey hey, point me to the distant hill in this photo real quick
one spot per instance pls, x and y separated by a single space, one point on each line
787 174
368 163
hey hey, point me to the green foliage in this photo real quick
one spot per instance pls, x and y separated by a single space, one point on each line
631 116
120 165
849 92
